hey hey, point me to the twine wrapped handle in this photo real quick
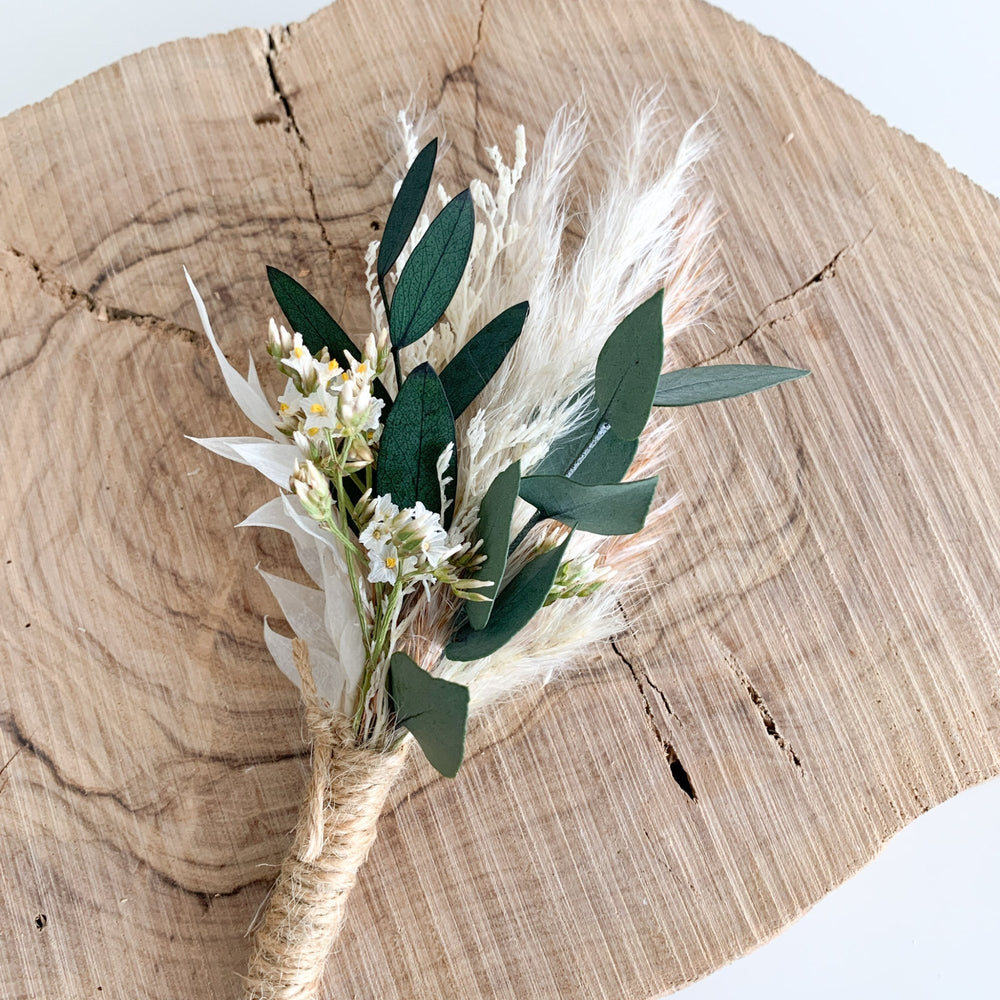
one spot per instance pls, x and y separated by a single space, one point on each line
336 829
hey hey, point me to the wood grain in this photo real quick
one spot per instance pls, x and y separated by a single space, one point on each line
814 665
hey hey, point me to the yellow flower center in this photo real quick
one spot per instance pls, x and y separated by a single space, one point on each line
317 408
283 407
390 562
298 352
313 431
346 376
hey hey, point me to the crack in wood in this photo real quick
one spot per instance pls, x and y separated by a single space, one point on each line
292 128
10 726
766 717
56 286
825 273
477 45
677 769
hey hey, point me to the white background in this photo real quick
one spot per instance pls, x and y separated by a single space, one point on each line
923 920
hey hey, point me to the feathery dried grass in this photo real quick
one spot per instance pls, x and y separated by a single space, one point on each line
645 228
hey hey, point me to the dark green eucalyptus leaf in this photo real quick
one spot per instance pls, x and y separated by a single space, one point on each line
606 461
467 374
436 711
432 272
405 209
516 605
319 329
307 316
609 509
495 513
419 427
690 386
628 368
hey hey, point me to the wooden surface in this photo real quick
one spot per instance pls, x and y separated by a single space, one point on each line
815 666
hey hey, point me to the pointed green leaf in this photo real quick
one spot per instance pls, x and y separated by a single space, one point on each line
628 368
319 329
495 513
432 272
405 209
606 461
512 610
436 711
705 384
466 375
305 315
610 509
418 429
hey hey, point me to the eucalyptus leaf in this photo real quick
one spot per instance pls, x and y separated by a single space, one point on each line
605 460
516 605
707 383
495 514
609 509
319 329
418 429
436 711
432 272
307 316
467 374
405 209
628 368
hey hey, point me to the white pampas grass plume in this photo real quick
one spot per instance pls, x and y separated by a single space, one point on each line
644 228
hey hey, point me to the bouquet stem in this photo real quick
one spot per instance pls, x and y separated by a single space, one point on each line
336 829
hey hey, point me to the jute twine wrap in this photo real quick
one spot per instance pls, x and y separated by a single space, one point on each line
336 829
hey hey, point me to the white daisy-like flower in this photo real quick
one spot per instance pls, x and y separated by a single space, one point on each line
299 358
384 564
329 374
320 408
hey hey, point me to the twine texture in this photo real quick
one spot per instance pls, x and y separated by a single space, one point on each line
336 829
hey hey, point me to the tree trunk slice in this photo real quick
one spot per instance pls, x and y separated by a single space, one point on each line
814 665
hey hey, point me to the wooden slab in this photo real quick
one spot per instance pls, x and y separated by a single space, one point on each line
815 665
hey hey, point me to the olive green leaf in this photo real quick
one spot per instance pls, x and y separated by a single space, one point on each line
467 374
436 711
418 429
628 368
405 209
609 509
305 315
515 606
707 383
432 272
495 513
594 458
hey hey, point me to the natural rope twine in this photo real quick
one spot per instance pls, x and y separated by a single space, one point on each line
336 829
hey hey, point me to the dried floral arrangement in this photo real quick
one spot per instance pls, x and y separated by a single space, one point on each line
471 486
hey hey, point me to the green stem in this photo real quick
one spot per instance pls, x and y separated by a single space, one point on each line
398 368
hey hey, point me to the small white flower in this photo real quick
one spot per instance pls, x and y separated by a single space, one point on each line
329 374
320 409
378 532
384 564
299 359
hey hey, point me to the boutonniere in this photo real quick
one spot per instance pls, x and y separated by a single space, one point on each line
470 483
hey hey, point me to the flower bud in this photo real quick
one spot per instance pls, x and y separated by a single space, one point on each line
358 456
313 490
370 349
345 404
364 399
274 340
